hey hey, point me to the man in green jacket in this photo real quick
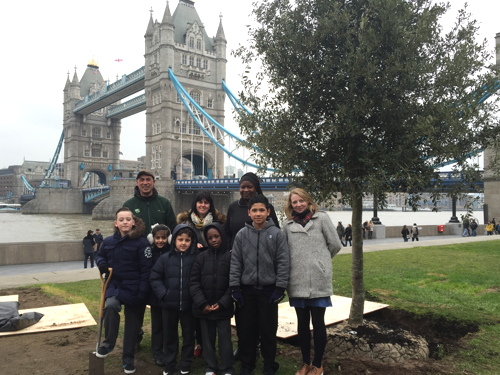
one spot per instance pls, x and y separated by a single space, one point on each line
147 204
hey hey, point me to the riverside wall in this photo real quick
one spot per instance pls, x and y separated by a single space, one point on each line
40 252
67 251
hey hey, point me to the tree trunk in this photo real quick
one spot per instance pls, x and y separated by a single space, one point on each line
358 288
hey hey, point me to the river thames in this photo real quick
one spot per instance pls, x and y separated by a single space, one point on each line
16 227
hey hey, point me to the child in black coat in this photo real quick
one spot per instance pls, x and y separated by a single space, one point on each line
170 279
212 301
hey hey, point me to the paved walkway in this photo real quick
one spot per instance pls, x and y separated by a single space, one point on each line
29 274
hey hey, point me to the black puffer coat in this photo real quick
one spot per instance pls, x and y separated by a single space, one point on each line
170 274
152 300
131 260
210 279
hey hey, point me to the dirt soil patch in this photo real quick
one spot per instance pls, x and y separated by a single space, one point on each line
66 352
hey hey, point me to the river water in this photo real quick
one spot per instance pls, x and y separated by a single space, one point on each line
16 227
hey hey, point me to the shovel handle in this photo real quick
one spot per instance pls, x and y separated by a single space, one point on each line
104 286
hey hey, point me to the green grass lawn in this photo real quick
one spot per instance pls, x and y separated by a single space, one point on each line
455 282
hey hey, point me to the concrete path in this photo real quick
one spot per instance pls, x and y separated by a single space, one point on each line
28 274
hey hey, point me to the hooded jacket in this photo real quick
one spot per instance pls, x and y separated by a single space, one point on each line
152 210
171 273
260 258
131 260
184 218
210 279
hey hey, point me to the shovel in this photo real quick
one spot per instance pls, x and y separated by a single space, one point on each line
96 364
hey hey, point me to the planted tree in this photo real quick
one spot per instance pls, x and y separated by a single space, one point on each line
364 96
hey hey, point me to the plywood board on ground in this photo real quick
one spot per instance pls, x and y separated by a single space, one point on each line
57 318
287 319
13 297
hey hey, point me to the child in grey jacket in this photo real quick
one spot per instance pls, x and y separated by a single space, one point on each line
258 279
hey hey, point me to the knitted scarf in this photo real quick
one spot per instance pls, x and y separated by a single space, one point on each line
302 218
201 223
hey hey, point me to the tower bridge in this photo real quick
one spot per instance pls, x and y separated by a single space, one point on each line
182 81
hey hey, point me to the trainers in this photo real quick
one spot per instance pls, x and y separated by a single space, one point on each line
198 351
304 369
167 372
185 372
315 370
209 373
103 352
129 369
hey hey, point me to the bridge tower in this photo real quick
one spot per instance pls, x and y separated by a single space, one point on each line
91 142
175 147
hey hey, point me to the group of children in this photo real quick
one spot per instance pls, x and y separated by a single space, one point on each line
188 284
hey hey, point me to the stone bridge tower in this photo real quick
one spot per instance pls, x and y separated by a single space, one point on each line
91 142
175 146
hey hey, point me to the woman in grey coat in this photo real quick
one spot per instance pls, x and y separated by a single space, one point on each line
313 242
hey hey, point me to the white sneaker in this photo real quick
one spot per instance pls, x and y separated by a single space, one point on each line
209 373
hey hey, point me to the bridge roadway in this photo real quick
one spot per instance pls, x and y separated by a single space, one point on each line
128 85
14 276
267 183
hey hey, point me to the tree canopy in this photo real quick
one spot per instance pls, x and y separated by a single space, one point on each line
364 96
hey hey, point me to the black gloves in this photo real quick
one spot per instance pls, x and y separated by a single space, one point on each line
278 295
237 296
103 269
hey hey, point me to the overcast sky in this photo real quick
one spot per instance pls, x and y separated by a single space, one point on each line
41 41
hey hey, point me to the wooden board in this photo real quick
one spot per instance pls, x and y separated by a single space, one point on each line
287 319
57 318
11 298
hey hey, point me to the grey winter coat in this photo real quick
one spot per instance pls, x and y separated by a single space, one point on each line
311 251
259 258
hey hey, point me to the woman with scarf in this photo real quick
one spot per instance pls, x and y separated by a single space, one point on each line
201 214
312 241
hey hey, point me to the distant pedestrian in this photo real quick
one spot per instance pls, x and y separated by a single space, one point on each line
414 232
473 227
88 249
340 232
494 226
489 228
405 233
465 223
371 226
98 238
348 235
365 229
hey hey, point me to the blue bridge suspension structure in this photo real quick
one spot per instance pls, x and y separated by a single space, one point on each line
218 134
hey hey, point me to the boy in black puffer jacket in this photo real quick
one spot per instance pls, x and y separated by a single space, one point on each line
212 301
170 282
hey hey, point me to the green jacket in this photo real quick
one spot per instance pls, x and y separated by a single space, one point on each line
152 210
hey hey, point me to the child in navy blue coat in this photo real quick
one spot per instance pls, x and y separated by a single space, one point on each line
128 253
212 301
170 282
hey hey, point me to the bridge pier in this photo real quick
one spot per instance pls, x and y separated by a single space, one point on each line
57 201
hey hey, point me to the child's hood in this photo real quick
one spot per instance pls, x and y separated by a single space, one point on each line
222 232
175 233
